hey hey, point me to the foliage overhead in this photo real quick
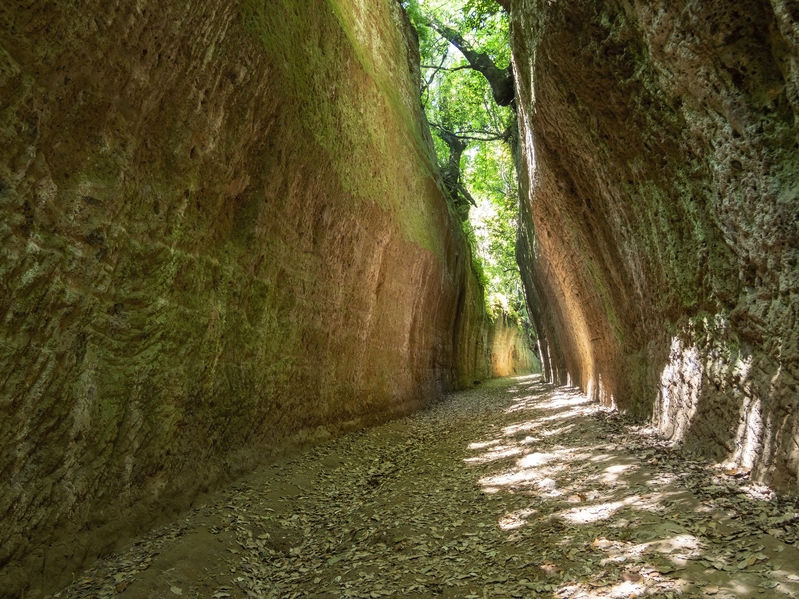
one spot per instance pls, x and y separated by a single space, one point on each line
458 101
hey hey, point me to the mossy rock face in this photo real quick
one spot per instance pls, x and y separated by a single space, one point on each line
222 230
660 238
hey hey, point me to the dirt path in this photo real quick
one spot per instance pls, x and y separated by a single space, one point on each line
513 489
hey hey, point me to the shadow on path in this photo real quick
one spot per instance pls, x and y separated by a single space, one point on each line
512 489
612 512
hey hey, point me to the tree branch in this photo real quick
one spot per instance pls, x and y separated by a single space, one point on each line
500 80
429 80
440 68
465 193
470 134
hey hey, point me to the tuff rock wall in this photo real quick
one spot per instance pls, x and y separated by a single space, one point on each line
661 235
222 232
510 349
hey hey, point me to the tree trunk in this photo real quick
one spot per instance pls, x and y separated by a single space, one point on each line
500 80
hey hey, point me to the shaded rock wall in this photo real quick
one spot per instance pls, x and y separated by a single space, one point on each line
222 230
661 236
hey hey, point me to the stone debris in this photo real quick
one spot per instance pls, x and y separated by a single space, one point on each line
512 489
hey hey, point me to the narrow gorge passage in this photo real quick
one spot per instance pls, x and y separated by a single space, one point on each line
513 489
231 229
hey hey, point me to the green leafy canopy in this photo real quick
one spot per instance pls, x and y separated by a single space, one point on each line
459 99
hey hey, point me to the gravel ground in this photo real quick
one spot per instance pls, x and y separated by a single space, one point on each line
511 489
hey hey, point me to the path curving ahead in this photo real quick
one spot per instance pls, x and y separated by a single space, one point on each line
512 489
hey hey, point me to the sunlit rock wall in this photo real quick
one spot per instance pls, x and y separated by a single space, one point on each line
661 166
497 346
221 232
510 349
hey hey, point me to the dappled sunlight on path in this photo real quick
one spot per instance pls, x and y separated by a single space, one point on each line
614 513
512 489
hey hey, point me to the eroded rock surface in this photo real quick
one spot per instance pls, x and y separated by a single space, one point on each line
222 231
662 235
